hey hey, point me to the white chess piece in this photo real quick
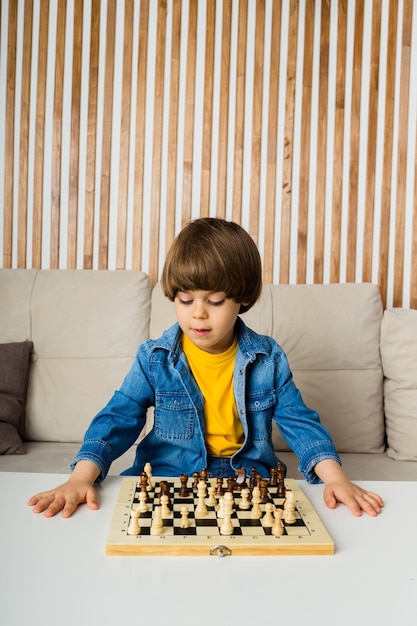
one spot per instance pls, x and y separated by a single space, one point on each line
134 527
256 512
148 471
227 526
268 518
211 500
277 529
143 507
184 521
289 507
157 526
244 503
165 510
201 508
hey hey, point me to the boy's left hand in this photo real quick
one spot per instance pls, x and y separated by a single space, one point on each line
356 498
338 488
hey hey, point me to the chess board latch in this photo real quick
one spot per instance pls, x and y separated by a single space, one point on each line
220 551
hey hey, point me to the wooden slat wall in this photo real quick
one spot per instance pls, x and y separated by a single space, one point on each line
120 120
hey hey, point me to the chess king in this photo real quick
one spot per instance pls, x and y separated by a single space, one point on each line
215 385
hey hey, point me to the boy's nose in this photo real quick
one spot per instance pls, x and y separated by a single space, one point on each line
199 311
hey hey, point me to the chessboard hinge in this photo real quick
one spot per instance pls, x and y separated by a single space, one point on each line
220 551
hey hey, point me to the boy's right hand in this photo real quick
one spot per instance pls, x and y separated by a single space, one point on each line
68 496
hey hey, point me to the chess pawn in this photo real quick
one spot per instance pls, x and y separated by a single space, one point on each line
244 503
165 510
134 528
268 518
211 500
277 529
184 521
219 487
143 507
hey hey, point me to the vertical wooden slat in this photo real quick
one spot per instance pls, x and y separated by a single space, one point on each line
24 136
224 109
157 139
338 144
140 134
402 153
57 135
368 242
39 135
208 108
75 136
305 143
189 112
354 142
240 111
107 134
271 191
322 139
257 120
90 175
9 137
288 145
388 150
173 123
124 137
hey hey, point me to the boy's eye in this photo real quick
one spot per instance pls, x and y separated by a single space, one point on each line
182 301
216 302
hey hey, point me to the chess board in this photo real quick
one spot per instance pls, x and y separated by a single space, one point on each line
305 536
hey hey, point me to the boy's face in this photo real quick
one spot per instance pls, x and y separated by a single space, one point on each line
207 318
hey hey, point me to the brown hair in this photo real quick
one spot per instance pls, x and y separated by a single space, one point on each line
212 254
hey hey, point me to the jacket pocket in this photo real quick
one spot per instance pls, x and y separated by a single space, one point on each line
259 410
174 416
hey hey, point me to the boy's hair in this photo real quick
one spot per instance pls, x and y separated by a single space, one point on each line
211 254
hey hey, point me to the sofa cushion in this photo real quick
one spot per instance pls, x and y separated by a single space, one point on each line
14 376
15 288
399 360
331 334
86 327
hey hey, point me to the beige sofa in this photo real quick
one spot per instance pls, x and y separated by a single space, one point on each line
355 364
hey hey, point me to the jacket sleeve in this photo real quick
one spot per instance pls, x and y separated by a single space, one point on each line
299 425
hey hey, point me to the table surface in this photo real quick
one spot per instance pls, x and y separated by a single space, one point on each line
54 571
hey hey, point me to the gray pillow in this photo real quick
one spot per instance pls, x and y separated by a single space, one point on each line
14 378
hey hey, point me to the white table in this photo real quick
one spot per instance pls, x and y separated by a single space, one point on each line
54 571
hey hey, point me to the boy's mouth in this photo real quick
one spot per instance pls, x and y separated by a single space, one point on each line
200 332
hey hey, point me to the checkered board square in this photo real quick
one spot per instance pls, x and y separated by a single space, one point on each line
306 535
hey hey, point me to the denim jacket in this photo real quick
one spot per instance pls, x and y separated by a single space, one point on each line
160 377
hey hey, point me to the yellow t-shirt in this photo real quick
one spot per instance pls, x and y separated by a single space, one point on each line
214 376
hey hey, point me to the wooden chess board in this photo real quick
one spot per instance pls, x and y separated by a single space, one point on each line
305 536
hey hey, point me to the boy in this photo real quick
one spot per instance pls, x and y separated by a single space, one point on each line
215 384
